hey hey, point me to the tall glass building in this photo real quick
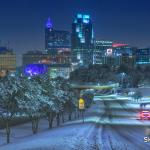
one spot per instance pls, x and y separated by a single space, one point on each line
82 39
143 56
100 48
56 41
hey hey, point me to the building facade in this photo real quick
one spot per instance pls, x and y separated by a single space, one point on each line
112 54
34 57
82 40
143 56
56 41
59 70
123 50
7 60
99 50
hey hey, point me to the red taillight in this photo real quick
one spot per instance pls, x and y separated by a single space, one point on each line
144 114
141 115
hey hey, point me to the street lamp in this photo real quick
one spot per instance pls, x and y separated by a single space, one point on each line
122 77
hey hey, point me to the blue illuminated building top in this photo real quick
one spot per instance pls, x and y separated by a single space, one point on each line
82 31
85 18
83 21
49 23
86 21
82 39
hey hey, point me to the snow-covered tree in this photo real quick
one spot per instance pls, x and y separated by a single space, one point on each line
68 97
48 104
31 101
9 93
58 97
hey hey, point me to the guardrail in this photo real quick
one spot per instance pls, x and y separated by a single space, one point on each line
87 86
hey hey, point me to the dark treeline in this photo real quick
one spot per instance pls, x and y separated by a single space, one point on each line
132 76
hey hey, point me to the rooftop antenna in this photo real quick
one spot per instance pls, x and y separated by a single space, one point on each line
49 23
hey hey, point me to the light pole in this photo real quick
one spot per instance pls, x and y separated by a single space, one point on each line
122 77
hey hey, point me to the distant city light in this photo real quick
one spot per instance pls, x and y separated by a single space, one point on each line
86 16
86 21
80 35
109 52
77 29
35 69
79 15
82 40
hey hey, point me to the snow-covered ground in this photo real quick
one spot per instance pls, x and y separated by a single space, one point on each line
101 131
25 130
63 138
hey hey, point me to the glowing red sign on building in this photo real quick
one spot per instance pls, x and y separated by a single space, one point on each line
119 45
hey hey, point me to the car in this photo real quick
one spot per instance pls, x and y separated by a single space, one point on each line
144 115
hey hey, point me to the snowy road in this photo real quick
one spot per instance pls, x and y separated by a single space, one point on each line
128 134
103 129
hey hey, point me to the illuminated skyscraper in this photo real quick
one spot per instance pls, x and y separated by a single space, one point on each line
48 30
82 39
56 41
82 32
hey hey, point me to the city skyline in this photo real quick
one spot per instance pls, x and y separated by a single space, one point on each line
75 74
23 23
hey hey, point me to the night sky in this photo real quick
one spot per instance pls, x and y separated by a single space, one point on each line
22 22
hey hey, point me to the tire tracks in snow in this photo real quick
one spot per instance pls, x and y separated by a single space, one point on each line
134 139
86 140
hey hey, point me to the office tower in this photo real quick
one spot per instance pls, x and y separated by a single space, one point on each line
125 53
143 56
100 49
113 54
82 40
122 49
57 42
